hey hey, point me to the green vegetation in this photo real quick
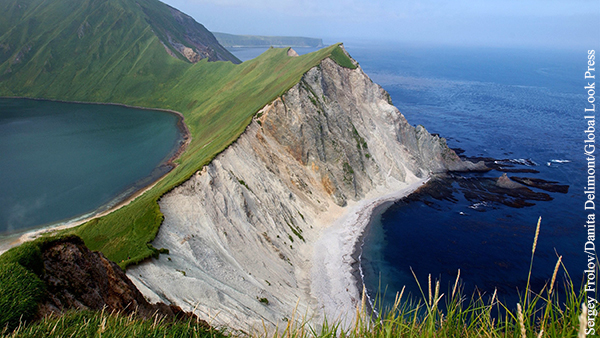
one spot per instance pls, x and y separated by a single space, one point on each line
230 40
120 59
342 59
360 141
296 230
542 313
20 283
242 182
348 173
100 324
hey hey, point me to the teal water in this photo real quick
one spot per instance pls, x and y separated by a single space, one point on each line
60 161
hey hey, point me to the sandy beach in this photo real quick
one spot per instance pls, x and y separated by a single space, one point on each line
336 279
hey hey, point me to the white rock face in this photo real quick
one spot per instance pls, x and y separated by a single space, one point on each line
276 216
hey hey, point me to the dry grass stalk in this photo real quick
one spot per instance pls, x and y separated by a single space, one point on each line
554 275
521 321
535 239
430 295
455 284
583 321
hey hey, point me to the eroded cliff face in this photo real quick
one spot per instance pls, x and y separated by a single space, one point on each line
79 279
250 236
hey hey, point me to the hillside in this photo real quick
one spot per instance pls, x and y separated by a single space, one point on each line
245 41
107 51
96 50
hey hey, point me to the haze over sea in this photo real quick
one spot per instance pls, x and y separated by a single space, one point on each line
508 104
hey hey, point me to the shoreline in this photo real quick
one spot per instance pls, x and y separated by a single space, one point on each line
18 238
337 254
360 241
358 251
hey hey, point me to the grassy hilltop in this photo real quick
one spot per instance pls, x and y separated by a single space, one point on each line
124 51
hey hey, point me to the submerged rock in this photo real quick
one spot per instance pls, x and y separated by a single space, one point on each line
551 186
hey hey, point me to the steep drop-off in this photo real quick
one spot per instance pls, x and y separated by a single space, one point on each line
118 52
270 224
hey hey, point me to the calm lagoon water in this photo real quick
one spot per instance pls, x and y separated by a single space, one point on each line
501 103
61 160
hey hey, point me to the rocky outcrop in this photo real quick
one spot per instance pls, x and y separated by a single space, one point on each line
505 182
265 232
187 37
79 279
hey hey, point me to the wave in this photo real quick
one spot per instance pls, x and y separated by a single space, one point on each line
521 161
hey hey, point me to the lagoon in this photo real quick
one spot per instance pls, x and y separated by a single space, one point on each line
61 161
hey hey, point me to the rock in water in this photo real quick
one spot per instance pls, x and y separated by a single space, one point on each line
505 182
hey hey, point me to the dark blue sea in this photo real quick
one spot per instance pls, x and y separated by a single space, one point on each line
521 107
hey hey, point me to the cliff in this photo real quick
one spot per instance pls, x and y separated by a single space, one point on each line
51 276
269 226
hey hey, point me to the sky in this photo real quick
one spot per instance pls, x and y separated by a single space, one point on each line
506 23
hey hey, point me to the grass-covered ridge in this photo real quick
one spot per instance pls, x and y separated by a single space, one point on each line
218 101
110 51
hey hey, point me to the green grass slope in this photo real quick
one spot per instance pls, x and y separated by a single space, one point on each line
231 40
94 50
110 51
218 101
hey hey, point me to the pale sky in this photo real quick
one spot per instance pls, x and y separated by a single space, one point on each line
505 23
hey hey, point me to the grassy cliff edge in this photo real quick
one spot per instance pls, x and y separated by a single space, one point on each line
112 52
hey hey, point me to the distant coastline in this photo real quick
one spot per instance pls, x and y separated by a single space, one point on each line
135 190
257 41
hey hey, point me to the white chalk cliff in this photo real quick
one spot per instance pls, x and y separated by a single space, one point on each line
274 218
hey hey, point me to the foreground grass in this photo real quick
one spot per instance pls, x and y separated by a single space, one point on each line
100 324
545 313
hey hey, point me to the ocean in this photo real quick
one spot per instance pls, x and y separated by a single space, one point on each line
521 107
